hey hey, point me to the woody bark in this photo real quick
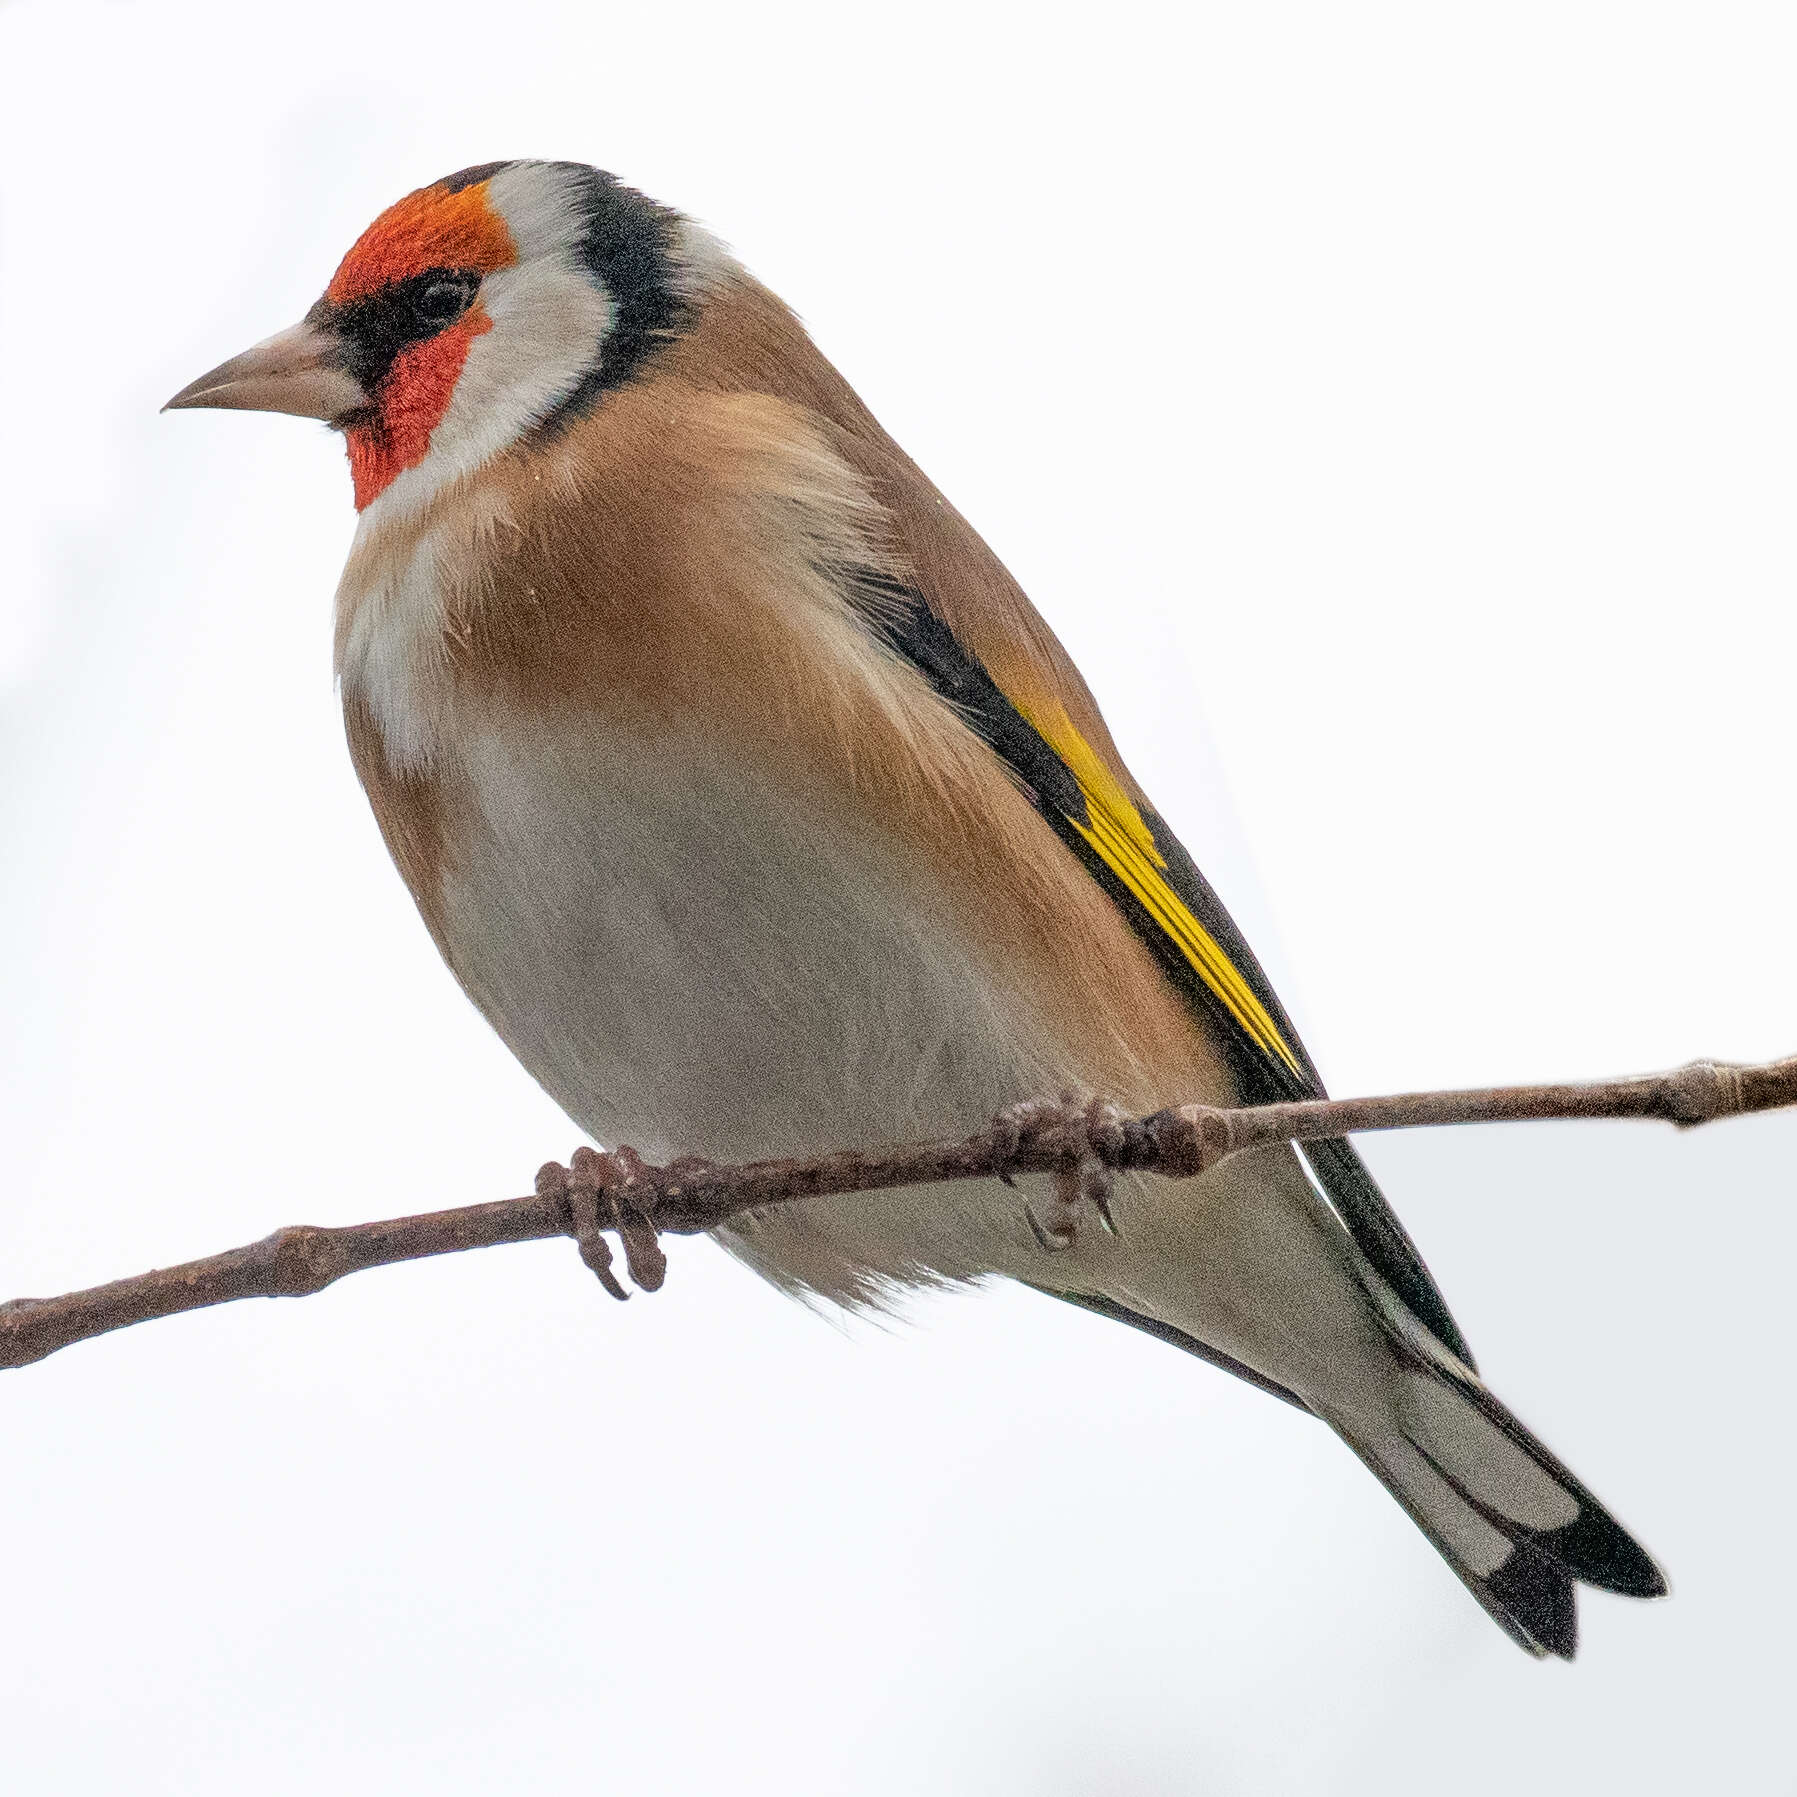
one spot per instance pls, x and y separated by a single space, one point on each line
1082 1143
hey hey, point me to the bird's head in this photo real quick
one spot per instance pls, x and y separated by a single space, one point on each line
490 306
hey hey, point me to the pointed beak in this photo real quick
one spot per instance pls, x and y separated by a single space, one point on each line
299 371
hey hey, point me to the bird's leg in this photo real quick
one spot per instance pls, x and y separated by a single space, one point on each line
633 1210
1094 1131
1098 1166
605 1191
1013 1126
580 1185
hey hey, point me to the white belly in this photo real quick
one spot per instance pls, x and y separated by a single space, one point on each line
689 961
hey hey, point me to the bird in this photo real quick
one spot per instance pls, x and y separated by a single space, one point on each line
756 808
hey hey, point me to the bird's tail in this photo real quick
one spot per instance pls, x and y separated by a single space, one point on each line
1516 1526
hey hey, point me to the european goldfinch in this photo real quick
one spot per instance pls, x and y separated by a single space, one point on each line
754 806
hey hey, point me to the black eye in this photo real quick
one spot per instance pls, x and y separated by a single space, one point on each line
444 300
379 327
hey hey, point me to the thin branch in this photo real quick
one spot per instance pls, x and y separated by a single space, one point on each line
1082 1142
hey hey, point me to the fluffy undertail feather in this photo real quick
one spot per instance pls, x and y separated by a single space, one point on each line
1514 1524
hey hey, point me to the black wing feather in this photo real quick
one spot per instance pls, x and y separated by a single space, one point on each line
904 621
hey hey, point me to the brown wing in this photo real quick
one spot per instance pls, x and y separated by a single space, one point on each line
956 614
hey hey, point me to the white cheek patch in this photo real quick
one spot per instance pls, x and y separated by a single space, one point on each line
548 321
549 317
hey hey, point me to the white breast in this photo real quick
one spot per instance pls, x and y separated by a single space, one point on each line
392 652
689 960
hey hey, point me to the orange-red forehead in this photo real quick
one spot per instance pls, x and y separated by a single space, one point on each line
432 228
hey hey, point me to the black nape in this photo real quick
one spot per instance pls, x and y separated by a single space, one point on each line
630 243
471 177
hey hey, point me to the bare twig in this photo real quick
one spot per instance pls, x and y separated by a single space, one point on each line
1082 1142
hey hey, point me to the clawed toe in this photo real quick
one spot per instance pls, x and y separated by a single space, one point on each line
1091 1130
608 1191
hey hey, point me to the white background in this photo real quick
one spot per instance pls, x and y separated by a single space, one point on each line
1407 391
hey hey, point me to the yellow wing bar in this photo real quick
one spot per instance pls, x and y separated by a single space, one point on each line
1028 727
1115 830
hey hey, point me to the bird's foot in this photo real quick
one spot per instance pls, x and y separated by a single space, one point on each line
1092 1132
608 1191
1015 1124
